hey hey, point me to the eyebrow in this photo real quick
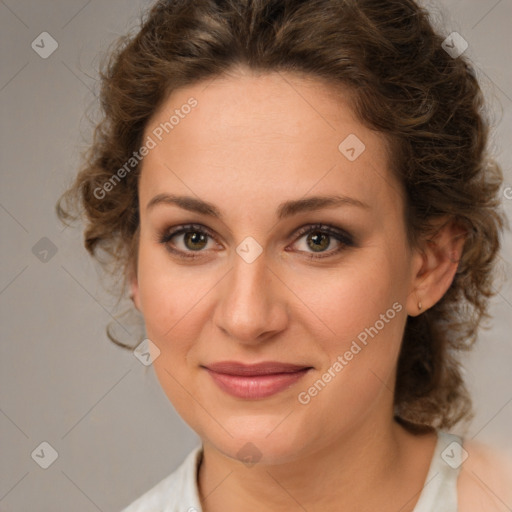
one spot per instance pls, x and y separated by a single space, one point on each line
286 209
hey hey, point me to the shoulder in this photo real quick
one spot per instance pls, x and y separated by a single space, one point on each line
156 497
485 480
174 491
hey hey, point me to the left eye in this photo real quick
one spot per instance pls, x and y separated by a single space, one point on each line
318 238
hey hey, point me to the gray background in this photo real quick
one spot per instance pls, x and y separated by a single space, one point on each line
62 381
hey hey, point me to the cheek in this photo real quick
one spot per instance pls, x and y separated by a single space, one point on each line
347 299
171 300
168 293
362 311
176 306
367 317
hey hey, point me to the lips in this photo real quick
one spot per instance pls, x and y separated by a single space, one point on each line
255 381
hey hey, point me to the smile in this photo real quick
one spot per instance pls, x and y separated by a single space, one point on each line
255 382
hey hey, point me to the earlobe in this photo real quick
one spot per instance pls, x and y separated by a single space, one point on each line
414 304
436 265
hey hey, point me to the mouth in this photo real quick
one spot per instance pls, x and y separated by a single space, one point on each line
255 381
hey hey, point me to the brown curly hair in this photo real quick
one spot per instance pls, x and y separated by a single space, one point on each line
428 105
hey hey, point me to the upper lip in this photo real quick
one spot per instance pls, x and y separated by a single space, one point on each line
264 368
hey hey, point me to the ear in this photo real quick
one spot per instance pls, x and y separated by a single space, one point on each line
435 263
134 287
133 270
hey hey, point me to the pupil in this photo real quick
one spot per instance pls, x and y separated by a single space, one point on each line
317 242
195 238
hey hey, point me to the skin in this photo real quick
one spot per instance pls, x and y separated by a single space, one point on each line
252 142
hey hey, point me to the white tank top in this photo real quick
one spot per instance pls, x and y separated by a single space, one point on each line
439 492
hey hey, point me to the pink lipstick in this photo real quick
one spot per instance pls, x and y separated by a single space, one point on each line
255 381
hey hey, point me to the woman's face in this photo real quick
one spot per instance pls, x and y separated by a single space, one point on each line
249 284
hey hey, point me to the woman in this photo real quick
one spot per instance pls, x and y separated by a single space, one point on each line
299 197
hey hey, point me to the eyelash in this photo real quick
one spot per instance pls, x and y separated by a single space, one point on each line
345 239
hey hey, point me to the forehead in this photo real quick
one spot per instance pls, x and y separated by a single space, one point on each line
281 130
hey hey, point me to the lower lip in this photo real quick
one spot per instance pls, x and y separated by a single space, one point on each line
256 386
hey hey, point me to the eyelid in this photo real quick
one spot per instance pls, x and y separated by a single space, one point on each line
167 234
344 239
326 228
342 236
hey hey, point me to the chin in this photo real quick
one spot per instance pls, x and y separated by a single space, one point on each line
257 441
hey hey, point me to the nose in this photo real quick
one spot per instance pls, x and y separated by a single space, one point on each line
252 307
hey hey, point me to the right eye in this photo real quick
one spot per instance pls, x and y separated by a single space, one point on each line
194 238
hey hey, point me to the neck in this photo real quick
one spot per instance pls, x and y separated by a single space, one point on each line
359 471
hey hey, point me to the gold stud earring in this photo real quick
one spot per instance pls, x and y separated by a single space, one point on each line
420 306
